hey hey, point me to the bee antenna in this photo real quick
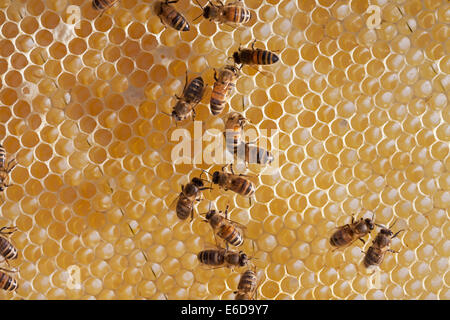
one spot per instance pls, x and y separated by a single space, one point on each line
207 172
393 223
379 225
166 113
198 17
199 4
397 233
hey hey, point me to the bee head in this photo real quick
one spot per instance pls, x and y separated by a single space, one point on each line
207 12
236 58
210 214
176 116
1 188
243 259
198 182
369 223
386 232
215 177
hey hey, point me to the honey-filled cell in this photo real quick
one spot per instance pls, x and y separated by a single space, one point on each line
358 119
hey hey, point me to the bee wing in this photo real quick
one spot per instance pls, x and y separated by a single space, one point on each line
172 205
348 244
237 3
237 224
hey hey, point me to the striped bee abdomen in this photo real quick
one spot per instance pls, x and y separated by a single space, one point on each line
341 237
263 57
254 154
242 186
7 282
373 257
248 280
211 257
218 96
238 14
231 235
173 18
194 91
7 250
184 207
102 4
2 156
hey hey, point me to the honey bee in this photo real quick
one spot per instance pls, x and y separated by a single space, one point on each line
171 17
247 286
192 95
224 85
7 282
189 194
255 154
234 127
233 182
222 258
375 255
7 250
254 56
4 171
347 234
103 4
226 229
231 13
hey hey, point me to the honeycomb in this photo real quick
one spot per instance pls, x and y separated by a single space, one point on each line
361 115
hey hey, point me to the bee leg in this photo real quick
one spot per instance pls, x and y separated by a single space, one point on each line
194 114
390 250
215 75
253 44
173 1
192 214
13 229
7 270
362 241
226 212
8 167
231 168
395 235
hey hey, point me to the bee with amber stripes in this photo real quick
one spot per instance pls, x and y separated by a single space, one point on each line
233 182
226 229
7 250
221 257
189 194
7 282
248 283
192 95
349 233
380 246
254 56
171 17
255 154
5 169
234 126
234 13
222 88
103 4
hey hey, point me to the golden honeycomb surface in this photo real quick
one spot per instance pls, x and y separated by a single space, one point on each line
361 116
